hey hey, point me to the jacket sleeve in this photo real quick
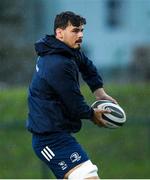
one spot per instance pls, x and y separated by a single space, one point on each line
64 80
89 72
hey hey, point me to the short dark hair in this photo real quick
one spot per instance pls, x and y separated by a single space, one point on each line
62 20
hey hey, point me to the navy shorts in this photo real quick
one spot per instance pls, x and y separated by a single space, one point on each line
60 151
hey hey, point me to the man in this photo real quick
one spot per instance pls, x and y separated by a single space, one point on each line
56 105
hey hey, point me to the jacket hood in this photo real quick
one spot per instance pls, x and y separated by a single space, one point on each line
50 45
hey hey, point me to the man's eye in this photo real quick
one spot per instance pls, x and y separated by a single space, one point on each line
76 30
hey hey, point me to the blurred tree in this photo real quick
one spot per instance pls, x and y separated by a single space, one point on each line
17 38
140 65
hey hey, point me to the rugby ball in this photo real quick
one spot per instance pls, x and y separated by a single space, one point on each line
116 118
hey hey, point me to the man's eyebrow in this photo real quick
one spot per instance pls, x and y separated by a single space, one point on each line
76 28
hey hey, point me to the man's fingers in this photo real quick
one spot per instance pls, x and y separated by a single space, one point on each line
103 111
101 123
98 116
106 111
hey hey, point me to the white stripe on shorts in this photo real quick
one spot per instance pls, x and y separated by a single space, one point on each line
47 153
50 151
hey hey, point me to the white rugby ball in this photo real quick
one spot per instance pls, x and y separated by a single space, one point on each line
115 118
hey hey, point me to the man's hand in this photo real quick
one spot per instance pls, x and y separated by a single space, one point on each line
100 94
97 117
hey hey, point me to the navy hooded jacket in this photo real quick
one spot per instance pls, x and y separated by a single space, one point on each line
55 101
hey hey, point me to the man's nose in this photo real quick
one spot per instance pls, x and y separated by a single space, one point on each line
80 34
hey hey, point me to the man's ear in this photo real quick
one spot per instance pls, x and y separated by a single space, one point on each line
59 33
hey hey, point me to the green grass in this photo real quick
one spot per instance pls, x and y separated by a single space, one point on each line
13 104
120 153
